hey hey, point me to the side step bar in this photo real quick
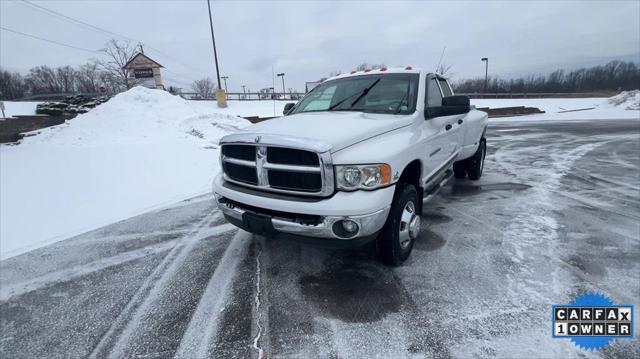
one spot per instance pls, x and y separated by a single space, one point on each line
433 190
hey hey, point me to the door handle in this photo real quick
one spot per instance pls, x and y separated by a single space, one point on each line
460 122
448 127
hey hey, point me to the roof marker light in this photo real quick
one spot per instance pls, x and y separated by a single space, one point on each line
367 70
353 72
383 69
408 68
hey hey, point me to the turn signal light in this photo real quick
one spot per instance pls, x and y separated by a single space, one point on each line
408 68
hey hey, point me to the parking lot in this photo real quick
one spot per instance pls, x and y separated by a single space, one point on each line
556 214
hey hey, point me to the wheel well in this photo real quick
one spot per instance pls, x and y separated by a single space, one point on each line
411 175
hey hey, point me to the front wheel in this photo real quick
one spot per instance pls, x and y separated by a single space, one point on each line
475 164
395 241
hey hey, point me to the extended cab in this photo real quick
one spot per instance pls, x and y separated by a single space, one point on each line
352 161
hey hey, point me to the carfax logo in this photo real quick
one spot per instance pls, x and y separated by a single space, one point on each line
592 321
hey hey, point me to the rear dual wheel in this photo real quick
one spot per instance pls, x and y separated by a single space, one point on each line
472 166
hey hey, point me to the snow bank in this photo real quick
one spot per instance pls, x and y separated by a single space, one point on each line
630 100
142 149
622 106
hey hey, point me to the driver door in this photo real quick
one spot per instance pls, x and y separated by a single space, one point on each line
442 131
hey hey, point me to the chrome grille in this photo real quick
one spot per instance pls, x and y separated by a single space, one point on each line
272 166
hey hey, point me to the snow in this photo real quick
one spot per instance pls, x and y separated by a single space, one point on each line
141 150
13 108
622 106
145 149
263 108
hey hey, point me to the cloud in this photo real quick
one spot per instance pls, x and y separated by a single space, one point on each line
307 40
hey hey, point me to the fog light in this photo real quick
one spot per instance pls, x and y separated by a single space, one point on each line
345 228
349 226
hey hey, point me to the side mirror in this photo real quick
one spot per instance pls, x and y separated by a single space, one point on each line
288 108
456 101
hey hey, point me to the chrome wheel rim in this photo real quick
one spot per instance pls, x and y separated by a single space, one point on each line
409 225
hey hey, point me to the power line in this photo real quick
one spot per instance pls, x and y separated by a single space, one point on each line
72 20
47 40
104 31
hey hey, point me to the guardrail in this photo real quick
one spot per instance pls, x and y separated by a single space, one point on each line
248 96
477 95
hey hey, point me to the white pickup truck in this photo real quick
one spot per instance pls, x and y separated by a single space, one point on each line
352 161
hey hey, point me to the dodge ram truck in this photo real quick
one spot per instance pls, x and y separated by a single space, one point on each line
353 161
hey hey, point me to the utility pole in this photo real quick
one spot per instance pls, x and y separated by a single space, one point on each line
486 71
213 41
283 90
225 82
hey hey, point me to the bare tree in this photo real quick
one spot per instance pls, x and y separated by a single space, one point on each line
117 54
204 87
363 66
12 85
88 77
43 79
66 78
444 69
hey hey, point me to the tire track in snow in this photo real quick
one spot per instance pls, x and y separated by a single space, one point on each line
204 323
257 315
121 330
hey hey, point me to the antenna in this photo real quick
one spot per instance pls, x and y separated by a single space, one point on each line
441 56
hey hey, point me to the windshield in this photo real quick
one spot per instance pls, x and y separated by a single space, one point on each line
384 93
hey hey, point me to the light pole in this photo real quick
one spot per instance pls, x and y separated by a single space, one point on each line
282 75
244 91
225 82
221 98
213 41
486 71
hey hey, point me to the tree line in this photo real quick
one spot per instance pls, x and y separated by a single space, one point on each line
614 76
105 71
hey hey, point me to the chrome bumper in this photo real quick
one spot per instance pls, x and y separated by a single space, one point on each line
368 224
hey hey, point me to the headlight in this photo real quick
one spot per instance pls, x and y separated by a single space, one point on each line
353 177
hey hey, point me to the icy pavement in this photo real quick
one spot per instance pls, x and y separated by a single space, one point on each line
556 214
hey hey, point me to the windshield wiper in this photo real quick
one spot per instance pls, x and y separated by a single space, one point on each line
401 102
361 93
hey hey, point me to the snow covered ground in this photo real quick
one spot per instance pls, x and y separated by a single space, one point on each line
13 108
622 106
142 149
146 148
244 108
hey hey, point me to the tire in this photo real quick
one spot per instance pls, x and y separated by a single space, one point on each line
475 164
395 241
460 169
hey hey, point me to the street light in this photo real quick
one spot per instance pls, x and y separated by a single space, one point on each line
213 41
221 98
486 71
282 75
225 82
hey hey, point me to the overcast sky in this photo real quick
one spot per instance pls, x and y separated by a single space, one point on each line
308 40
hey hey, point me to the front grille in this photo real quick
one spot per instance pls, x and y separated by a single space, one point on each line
288 156
241 173
241 152
307 182
275 169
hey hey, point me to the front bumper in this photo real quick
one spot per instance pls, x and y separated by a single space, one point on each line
369 210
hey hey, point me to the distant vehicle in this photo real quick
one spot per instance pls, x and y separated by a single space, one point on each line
352 161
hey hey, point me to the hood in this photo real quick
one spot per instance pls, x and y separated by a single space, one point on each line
338 128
